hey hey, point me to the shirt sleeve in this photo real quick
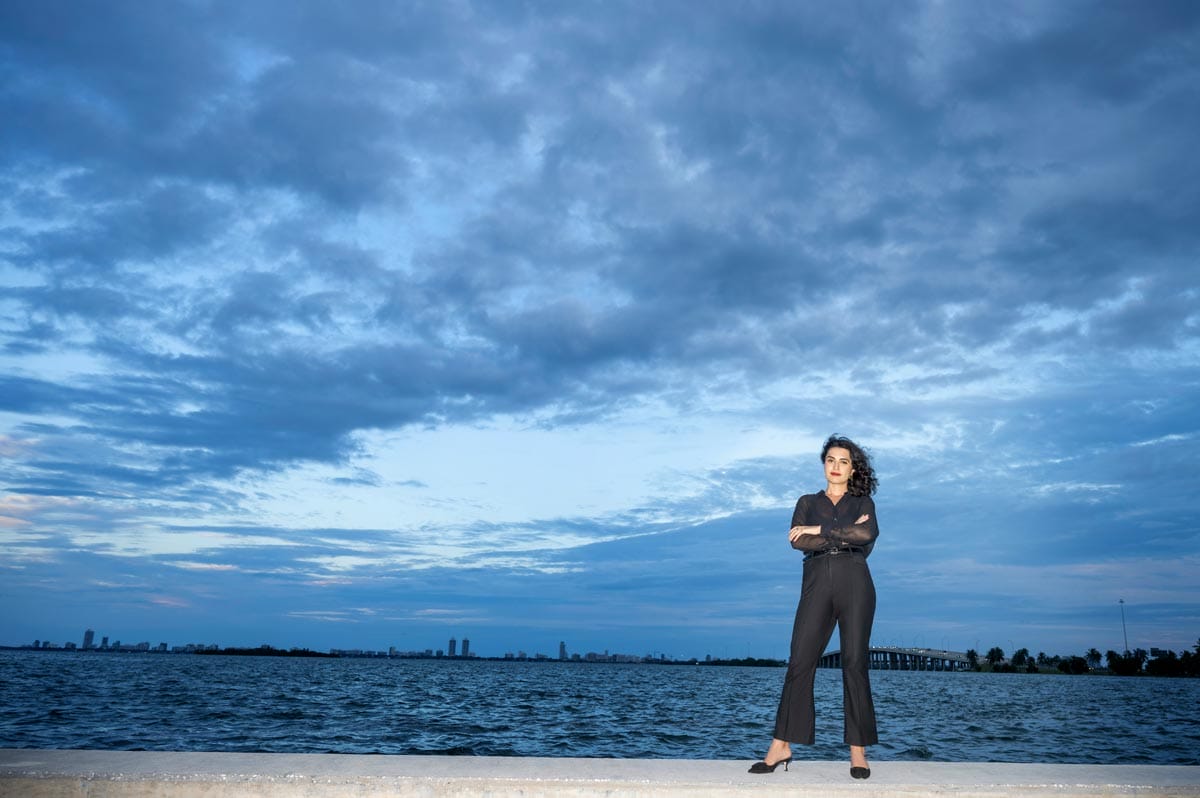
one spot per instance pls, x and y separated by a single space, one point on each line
802 517
801 512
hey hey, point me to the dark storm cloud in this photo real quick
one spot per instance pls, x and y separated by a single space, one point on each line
132 94
28 395
100 78
1110 50
318 129
126 226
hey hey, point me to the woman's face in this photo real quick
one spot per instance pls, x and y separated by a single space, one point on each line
838 466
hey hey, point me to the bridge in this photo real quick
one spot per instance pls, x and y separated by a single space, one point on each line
890 658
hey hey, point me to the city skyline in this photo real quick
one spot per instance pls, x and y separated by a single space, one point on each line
451 652
325 325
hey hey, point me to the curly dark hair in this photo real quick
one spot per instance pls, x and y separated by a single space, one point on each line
863 481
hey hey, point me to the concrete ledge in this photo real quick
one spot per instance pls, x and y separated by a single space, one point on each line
30 773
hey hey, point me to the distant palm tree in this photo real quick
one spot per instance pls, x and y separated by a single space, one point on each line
973 658
1093 658
1129 664
995 655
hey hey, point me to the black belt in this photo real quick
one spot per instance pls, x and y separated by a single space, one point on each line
835 552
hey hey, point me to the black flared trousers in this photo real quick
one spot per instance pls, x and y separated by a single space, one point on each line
837 590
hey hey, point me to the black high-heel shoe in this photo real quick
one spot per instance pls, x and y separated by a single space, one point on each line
763 767
859 773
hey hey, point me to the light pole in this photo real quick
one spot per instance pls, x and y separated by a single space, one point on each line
1124 634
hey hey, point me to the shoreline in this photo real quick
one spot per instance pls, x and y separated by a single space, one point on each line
744 662
36 773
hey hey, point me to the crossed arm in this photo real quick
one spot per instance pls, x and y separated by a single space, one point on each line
810 538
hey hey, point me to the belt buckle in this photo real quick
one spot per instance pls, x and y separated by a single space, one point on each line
836 551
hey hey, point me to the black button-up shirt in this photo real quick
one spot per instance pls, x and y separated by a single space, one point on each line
836 521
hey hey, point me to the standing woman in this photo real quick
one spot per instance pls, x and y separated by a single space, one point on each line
836 529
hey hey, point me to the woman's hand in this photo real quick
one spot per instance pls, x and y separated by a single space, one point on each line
797 532
862 519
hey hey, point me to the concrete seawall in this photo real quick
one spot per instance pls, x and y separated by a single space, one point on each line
31 773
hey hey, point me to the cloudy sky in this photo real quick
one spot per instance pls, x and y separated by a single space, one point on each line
373 324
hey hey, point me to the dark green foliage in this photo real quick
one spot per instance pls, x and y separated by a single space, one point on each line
1127 664
1074 665
1131 663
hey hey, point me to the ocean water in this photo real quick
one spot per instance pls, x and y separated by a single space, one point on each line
473 708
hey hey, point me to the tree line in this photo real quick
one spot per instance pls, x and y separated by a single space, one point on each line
1138 662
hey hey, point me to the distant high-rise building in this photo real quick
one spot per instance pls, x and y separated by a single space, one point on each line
466 647
454 647
104 642
89 639
562 649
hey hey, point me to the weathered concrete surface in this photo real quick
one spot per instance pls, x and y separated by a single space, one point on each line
29 773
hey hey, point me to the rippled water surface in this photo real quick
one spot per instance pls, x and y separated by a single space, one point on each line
219 703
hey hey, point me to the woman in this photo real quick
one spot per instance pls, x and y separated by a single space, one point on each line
836 529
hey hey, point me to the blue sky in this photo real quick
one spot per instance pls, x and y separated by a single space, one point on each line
373 324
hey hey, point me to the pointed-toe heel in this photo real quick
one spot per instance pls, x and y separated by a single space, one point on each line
860 773
763 767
